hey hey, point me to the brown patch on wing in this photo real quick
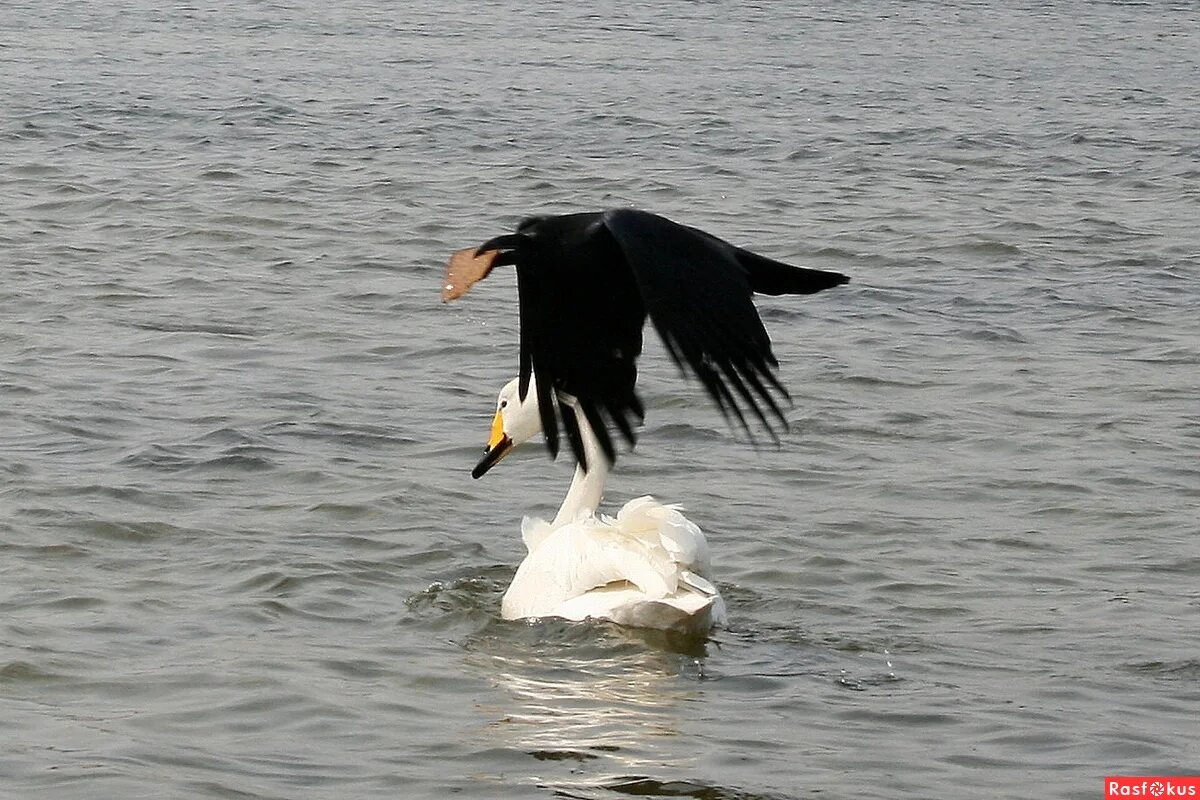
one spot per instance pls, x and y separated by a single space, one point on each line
464 270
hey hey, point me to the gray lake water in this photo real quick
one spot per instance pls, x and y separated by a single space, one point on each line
241 555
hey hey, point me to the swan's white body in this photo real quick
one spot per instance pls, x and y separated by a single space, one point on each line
644 568
647 567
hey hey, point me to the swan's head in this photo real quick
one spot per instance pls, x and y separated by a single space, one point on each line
516 421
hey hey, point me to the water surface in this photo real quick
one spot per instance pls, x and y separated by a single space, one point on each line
240 552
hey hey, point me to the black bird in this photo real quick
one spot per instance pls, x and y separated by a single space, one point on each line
586 283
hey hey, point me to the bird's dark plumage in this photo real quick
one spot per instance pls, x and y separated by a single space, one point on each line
586 283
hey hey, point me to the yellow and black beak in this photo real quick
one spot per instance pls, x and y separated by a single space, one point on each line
498 446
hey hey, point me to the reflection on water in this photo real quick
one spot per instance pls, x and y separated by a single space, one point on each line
588 693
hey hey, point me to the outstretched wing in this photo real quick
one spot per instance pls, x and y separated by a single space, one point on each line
698 291
586 283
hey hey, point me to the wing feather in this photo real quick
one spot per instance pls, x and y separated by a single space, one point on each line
537 319
698 294
583 324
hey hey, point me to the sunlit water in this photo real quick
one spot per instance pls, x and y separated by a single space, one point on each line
240 552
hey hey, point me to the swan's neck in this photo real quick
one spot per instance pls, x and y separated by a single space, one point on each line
583 498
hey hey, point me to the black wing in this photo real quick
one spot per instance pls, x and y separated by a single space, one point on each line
698 291
586 283
581 328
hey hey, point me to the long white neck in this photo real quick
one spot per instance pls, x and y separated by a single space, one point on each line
583 498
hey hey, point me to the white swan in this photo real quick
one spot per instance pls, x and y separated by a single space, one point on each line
646 568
